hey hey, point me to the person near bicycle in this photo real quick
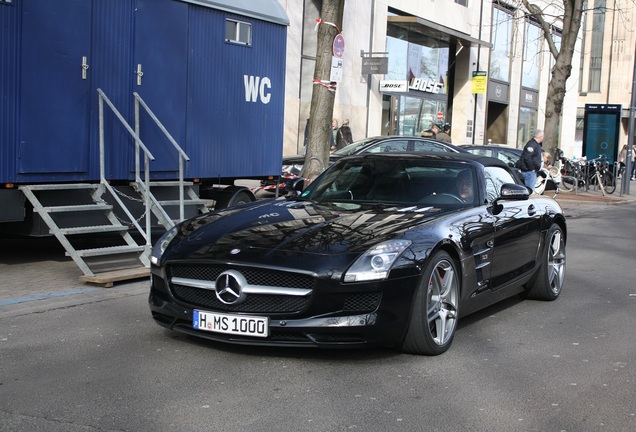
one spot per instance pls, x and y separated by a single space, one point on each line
530 160
622 161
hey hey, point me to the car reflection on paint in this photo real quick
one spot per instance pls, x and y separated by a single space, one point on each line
381 249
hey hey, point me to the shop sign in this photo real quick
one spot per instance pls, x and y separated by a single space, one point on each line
395 86
498 92
426 85
529 98
374 65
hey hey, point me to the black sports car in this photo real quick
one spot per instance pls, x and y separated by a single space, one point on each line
293 165
381 249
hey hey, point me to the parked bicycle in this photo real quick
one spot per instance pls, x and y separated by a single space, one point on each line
571 172
600 174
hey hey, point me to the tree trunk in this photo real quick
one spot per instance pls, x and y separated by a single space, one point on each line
323 95
562 69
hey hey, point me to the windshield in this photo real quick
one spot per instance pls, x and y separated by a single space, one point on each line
396 181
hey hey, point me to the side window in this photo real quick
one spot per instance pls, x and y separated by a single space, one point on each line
424 146
481 152
390 146
507 158
495 178
238 32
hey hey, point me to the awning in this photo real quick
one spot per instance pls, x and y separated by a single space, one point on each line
265 10
430 29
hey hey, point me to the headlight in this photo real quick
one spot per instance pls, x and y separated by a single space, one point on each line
161 245
376 262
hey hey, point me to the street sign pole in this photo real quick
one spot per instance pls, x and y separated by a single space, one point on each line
630 139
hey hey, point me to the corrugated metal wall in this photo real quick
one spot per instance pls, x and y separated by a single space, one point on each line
235 135
8 85
193 78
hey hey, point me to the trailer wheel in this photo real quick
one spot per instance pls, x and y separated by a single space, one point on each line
240 198
232 196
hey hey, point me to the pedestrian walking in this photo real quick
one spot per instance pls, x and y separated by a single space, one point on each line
432 132
445 134
334 130
344 136
531 159
622 161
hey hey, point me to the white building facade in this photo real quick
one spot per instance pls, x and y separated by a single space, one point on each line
431 50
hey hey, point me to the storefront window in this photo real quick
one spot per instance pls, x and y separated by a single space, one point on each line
410 60
425 66
531 57
502 40
527 125
398 66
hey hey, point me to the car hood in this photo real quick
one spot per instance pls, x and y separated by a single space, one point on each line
289 230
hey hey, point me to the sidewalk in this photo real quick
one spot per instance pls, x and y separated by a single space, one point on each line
581 200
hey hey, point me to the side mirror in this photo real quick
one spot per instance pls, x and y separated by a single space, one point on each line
296 186
510 192
513 192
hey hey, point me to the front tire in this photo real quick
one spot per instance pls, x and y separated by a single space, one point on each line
549 280
435 311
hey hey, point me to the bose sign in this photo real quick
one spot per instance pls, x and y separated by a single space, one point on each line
395 86
257 89
425 85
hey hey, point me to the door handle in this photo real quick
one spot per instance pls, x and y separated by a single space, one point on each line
139 73
84 67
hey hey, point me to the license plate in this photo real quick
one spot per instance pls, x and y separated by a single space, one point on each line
231 324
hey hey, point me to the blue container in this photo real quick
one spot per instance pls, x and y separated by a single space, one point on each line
222 101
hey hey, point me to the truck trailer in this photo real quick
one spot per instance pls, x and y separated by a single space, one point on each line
121 116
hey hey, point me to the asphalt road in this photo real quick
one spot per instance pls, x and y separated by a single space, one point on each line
95 361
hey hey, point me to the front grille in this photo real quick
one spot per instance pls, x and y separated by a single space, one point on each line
254 276
254 303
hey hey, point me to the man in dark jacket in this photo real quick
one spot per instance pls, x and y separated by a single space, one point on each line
432 132
530 160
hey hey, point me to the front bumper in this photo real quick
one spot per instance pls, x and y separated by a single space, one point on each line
335 316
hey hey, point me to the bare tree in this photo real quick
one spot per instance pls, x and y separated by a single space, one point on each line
323 95
569 13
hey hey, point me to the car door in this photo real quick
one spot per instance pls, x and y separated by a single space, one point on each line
516 232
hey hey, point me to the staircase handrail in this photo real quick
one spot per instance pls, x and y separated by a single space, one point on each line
147 158
182 154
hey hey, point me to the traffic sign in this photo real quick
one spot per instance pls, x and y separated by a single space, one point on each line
338 45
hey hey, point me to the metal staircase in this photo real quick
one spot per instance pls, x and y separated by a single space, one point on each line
90 211
74 210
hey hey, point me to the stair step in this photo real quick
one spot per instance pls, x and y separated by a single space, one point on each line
107 279
75 208
185 202
93 229
61 186
112 250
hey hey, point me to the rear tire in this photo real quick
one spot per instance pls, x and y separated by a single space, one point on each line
435 310
567 183
549 279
